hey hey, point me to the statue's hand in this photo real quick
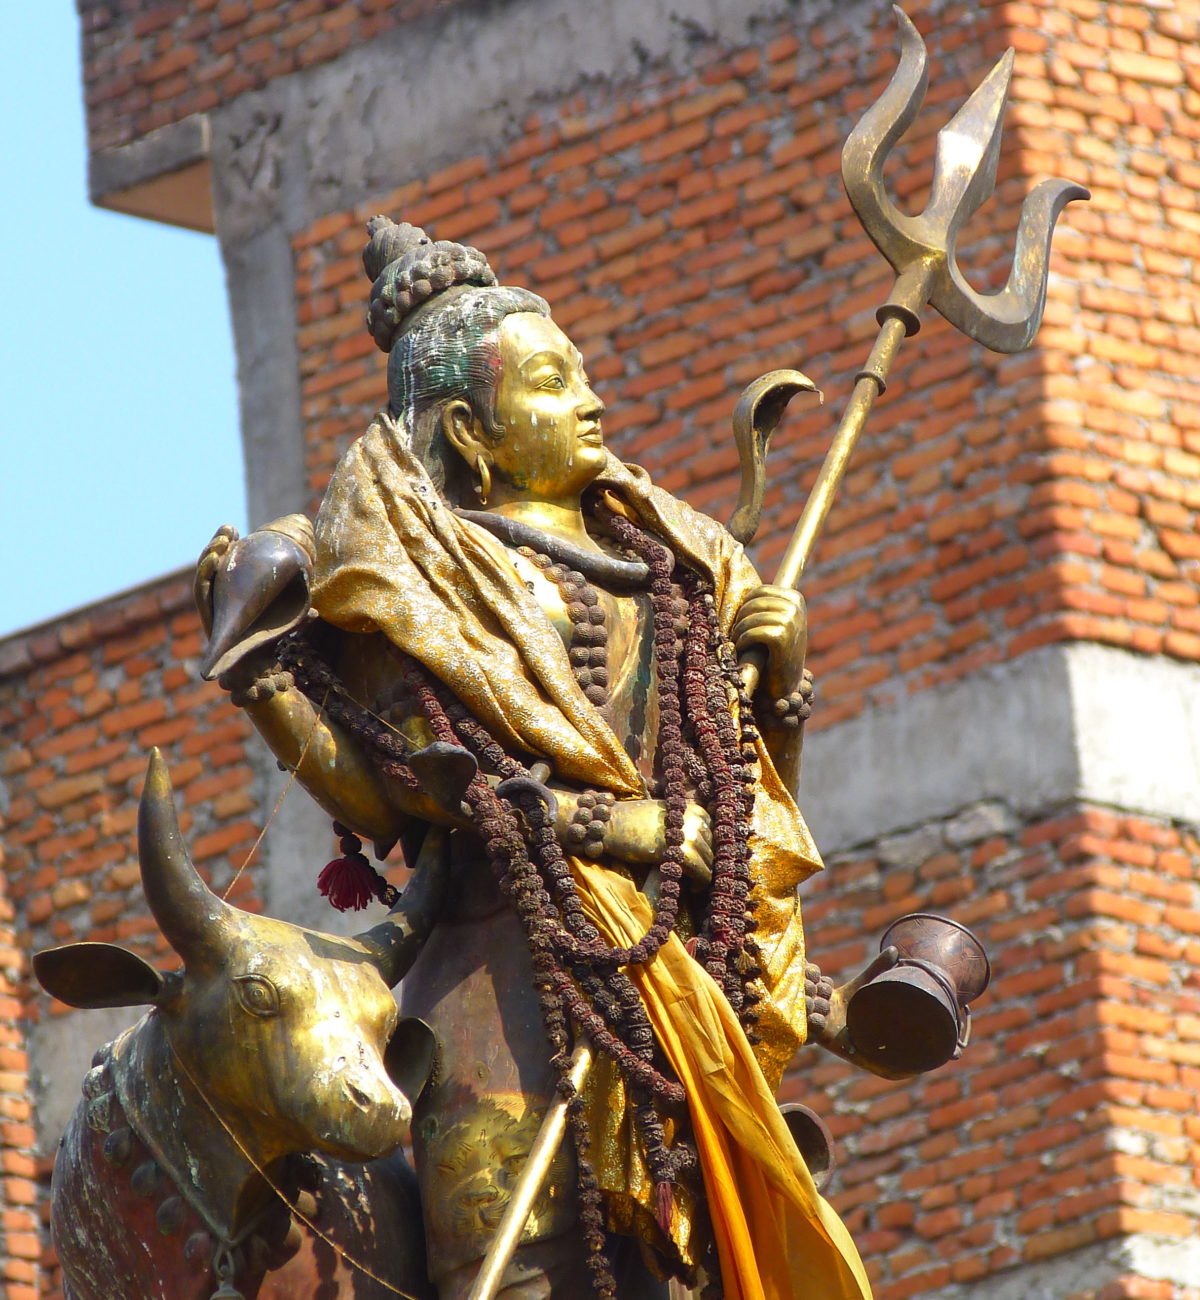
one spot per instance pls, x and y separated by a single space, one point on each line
826 1007
206 571
775 618
637 832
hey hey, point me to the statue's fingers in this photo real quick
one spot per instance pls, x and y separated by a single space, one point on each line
219 543
770 605
768 635
769 619
788 596
698 840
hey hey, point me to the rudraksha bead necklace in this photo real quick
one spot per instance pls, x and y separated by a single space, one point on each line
588 648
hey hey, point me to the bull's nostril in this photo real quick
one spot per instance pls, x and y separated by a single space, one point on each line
357 1096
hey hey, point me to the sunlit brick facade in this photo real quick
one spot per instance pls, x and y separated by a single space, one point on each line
1005 606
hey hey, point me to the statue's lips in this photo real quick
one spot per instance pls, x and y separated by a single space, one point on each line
591 436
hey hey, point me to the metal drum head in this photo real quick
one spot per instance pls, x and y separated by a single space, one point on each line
904 1020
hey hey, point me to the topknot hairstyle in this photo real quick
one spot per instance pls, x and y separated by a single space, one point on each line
408 269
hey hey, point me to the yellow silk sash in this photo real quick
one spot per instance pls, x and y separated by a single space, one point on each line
777 1238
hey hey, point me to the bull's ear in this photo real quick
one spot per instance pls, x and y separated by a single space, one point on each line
96 975
409 1057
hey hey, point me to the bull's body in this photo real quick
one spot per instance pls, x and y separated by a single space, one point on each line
128 1221
273 1057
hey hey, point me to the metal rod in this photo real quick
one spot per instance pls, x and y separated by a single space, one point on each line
897 321
529 1183
867 387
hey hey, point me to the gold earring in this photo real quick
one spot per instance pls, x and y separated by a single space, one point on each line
484 486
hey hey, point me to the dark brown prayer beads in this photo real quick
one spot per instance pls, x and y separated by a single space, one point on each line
588 650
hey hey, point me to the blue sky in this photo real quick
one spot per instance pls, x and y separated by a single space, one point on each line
119 450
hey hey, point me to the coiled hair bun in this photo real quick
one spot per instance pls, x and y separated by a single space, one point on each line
408 269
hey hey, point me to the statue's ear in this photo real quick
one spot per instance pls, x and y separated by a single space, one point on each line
93 975
462 431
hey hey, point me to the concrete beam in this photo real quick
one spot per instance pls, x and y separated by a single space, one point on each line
462 79
60 1054
1064 723
165 176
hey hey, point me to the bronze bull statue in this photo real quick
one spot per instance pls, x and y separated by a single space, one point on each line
274 1056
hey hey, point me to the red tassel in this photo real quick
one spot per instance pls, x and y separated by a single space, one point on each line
349 883
664 1206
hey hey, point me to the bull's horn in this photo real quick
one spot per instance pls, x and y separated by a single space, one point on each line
186 910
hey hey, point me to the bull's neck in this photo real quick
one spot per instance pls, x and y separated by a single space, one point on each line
214 1165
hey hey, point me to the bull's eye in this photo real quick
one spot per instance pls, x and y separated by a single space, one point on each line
257 994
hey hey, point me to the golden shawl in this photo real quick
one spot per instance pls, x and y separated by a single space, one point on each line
393 557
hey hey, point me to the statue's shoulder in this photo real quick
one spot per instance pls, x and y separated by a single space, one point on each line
689 531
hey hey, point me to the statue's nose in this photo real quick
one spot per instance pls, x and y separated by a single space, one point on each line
591 408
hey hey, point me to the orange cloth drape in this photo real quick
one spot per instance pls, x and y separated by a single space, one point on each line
777 1238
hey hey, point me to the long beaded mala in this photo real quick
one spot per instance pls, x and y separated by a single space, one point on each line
588 650
705 746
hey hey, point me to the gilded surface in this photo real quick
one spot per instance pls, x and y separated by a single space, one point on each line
392 558
478 1159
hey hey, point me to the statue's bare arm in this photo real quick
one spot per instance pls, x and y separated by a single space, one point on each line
332 767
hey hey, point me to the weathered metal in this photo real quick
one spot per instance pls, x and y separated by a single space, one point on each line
755 417
916 1016
528 1185
260 588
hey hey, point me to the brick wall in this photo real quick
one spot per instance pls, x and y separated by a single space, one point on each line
692 233
1071 1118
153 62
19 1193
1110 93
82 701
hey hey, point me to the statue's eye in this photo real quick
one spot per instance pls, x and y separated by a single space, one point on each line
553 381
257 994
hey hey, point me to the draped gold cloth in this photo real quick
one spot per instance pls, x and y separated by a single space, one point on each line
392 557
777 1238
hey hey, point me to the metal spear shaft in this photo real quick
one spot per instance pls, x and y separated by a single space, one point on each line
529 1183
896 325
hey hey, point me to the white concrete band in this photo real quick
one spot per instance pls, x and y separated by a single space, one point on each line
1076 722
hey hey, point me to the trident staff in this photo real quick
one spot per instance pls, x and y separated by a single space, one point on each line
922 250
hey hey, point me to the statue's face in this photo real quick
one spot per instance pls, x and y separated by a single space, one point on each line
551 446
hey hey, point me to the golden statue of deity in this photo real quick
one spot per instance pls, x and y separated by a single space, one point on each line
521 638
498 629
572 702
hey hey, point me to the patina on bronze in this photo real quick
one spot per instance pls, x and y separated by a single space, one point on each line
916 1016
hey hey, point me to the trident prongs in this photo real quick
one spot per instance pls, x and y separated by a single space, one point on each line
922 249
922 252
